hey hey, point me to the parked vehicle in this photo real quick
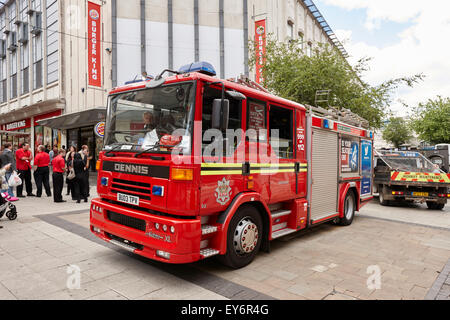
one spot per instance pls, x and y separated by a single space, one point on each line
182 197
409 176
440 155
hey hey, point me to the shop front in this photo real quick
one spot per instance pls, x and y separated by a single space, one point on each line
30 131
80 129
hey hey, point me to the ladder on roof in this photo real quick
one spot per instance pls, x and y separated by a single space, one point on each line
322 96
340 114
334 113
245 81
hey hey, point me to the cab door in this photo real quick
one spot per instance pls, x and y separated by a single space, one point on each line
282 169
221 174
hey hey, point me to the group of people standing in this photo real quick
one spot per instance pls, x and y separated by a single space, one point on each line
72 163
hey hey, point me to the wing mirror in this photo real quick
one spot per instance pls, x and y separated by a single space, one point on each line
220 114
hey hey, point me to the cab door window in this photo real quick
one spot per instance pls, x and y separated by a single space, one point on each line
281 131
234 123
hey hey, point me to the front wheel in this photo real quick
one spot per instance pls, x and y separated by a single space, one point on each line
349 209
11 215
244 238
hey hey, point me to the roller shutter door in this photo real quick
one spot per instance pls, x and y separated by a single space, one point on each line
324 174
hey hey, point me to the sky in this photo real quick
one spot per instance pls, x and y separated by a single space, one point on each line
403 38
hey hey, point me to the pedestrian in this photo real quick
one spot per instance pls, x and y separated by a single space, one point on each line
69 160
7 157
59 166
87 159
53 153
47 149
23 164
3 183
79 166
42 173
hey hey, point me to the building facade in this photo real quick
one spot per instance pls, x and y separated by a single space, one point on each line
60 58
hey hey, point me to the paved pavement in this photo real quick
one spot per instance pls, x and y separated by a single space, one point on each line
387 253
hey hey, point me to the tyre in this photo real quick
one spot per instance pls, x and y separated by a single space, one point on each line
435 205
381 198
349 209
244 237
11 215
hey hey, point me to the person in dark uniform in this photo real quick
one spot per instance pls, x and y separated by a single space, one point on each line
79 166
69 158
87 159
42 173
59 166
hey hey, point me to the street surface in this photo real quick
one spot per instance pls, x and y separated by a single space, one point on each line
393 252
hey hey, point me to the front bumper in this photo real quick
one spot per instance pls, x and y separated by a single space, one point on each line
137 231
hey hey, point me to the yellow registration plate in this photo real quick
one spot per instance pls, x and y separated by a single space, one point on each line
420 194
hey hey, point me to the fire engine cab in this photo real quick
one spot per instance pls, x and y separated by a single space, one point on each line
195 167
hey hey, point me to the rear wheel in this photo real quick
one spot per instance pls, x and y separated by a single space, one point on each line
243 238
435 205
381 198
349 209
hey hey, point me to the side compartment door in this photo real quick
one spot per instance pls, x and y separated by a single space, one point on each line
366 168
325 160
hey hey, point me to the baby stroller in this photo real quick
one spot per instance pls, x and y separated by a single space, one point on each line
7 207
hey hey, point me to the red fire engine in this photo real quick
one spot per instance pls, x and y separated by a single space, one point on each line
172 191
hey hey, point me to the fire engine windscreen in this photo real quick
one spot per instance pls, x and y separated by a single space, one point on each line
157 119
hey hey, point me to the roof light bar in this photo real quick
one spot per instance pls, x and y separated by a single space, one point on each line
199 66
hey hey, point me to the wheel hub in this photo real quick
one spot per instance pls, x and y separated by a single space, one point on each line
245 236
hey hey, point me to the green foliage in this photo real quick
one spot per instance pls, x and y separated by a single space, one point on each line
291 74
397 132
431 120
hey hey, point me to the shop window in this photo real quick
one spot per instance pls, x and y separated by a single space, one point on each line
281 131
235 122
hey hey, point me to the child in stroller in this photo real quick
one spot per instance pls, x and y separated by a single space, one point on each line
5 206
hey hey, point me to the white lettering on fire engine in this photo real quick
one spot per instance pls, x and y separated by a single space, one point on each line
223 191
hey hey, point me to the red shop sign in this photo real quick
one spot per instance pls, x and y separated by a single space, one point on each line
94 45
260 38
13 126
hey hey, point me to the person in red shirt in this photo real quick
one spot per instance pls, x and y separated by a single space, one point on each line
42 173
59 167
23 165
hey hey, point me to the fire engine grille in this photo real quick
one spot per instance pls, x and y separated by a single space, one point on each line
127 221
133 188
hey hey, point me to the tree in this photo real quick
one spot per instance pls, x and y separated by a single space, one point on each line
397 132
291 74
431 120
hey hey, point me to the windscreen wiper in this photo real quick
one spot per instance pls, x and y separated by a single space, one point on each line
116 148
157 145
112 150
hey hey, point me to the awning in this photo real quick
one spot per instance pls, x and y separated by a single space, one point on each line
75 120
